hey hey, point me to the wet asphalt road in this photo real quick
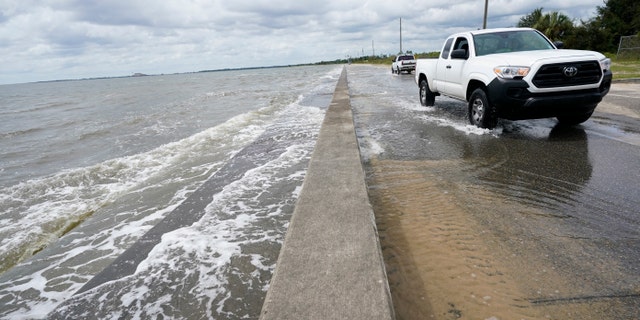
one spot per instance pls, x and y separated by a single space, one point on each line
529 220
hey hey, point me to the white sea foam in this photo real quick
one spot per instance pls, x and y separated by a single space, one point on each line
218 251
370 149
124 197
37 212
231 222
70 194
465 128
428 114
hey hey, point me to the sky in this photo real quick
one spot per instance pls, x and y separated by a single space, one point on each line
43 40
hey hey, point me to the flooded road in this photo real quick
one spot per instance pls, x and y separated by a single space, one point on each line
526 221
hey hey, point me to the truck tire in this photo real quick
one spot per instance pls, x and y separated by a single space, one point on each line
393 71
571 120
427 98
481 113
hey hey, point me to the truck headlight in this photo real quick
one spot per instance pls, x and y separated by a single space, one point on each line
605 64
509 72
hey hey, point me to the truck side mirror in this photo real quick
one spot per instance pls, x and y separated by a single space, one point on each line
558 44
459 54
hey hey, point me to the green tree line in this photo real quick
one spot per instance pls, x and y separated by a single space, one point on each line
602 33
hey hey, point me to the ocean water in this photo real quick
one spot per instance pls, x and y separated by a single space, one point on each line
87 167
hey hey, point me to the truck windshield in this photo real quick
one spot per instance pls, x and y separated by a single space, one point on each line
510 41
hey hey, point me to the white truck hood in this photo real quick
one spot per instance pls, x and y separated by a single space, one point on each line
529 58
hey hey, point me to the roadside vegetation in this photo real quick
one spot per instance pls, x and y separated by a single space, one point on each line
615 20
625 69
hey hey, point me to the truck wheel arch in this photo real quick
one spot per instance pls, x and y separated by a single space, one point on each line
422 77
472 86
427 97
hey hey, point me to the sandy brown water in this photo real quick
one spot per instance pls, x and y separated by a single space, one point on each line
528 221
438 265
445 259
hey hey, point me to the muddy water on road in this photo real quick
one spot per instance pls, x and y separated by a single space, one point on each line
528 221
445 259
438 265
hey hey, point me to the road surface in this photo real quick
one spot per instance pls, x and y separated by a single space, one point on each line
526 221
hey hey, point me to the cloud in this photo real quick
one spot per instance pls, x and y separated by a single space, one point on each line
57 39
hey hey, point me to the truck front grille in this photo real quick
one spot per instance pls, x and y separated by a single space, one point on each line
568 74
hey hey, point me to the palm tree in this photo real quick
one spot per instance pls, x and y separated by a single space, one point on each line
554 25
531 19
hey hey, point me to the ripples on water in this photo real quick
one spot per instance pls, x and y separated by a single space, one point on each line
87 167
493 223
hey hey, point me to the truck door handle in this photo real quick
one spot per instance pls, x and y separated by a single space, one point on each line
448 67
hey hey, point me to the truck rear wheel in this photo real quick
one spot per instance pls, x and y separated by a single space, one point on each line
427 98
481 113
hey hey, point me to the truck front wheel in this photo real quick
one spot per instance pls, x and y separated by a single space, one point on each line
427 98
481 113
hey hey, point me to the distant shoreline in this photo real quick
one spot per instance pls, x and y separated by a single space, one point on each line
137 74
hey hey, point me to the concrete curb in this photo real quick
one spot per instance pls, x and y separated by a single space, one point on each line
330 265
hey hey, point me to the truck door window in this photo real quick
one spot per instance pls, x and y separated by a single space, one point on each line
462 43
447 49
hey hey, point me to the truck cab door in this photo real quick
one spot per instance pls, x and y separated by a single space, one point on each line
455 82
443 61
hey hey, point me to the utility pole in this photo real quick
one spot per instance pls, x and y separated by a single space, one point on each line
486 6
400 35
373 48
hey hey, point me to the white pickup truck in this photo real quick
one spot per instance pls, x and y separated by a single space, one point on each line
403 62
515 74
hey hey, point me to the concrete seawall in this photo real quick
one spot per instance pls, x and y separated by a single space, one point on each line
330 265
